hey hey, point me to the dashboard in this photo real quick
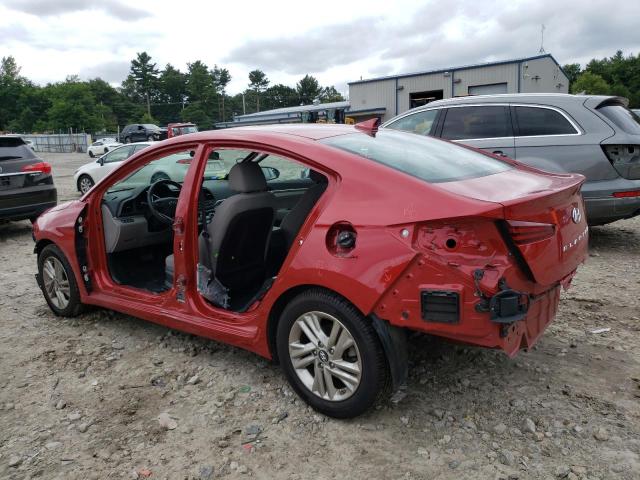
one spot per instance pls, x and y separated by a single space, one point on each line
128 222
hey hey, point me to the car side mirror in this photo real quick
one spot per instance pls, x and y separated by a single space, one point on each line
101 161
270 173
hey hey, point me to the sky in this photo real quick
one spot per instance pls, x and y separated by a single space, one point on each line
336 41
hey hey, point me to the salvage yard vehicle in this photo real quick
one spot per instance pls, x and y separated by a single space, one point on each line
326 271
102 146
140 132
90 173
176 129
26 183
596 136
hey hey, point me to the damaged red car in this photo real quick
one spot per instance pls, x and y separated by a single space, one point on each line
320 247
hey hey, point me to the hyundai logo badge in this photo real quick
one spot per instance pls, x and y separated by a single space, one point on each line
576 216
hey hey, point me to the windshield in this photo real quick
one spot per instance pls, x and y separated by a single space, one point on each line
622 117
426 158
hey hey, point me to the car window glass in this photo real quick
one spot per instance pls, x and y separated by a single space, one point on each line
142 146
422 157
542 121
97 144
622 117
420 122
171 167
118 155
476 122
285 169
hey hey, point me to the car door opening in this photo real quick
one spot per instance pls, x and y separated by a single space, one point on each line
260 207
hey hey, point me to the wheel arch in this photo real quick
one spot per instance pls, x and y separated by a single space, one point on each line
40 244
392 338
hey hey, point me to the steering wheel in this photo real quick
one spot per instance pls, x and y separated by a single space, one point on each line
163 208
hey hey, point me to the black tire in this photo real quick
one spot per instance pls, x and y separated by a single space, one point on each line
91 154
74 307
374 373
106 150
82 179
127 139
159 176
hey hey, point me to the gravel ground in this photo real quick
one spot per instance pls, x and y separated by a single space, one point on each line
109 396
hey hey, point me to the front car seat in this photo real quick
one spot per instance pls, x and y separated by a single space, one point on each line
234 245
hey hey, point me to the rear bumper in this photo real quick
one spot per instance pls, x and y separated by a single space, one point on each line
27 202
603 208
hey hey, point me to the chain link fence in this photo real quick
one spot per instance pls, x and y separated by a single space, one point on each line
60 143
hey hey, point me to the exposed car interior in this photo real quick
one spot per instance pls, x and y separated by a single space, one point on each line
248 220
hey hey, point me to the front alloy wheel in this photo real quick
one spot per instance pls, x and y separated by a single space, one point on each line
58 283
331 354
85 183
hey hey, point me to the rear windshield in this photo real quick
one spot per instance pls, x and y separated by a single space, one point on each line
426 158
622 117
12 148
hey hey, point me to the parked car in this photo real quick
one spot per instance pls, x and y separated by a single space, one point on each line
91 173
26 183
176 129
596 136
390 232
176 169
140 132
102 146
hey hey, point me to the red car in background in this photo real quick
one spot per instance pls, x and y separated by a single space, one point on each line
320 248
177 129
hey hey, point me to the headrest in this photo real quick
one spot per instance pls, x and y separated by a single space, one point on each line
247 177
317 177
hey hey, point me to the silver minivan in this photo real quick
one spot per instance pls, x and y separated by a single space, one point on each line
597 136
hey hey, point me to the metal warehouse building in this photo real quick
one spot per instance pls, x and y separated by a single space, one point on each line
385 97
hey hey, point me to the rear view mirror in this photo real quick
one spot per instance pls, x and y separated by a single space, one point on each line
270 173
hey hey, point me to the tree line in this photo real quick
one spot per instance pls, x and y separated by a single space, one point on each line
147 95
616 75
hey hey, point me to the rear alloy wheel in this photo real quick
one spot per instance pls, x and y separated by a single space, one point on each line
150 138
58 283
330 354
85 183
106 150
127 140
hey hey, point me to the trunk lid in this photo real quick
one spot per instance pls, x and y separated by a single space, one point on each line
544 223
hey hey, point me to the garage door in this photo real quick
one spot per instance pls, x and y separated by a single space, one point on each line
488 89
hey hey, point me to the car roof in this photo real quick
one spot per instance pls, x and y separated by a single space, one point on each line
544 98
311 131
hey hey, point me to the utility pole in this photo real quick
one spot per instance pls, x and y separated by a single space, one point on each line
244 106
542 39
148 104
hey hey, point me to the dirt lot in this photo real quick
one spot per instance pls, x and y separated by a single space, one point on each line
80 399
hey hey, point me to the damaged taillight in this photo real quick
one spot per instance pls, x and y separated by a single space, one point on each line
625 159
523 233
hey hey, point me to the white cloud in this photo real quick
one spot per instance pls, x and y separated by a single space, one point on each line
336 41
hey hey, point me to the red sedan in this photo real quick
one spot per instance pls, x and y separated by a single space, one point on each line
320 247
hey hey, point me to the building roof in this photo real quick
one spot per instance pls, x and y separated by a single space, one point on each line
463 67
296 109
